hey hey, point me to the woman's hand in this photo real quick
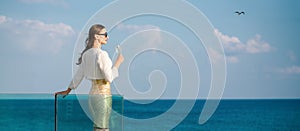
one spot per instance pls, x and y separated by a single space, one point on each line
64 93
119 60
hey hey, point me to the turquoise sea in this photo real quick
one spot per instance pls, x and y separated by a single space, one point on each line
37 114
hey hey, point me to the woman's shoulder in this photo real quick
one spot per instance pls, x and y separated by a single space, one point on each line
92 52
96 50
101 52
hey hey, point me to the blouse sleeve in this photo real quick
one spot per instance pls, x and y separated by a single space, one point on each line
77 78
109 72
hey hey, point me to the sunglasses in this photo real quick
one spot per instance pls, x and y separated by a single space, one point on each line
105 34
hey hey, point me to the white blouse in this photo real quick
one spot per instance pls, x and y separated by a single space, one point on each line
95 64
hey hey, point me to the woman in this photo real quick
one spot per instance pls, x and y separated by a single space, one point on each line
95 65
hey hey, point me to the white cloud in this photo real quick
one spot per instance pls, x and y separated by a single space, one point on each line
214 55
35 35
233 45
290 70
256 45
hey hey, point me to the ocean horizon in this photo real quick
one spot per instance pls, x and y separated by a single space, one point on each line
36 112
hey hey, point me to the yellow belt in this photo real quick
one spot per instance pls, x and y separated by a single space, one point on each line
100 81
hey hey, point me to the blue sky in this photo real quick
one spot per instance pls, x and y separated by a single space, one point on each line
38 39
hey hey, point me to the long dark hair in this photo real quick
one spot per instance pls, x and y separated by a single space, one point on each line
89 42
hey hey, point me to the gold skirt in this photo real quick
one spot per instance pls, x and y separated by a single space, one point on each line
100 103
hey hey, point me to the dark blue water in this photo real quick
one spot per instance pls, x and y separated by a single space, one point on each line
230 115
38 114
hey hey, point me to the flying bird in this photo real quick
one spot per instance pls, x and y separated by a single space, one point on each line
239 13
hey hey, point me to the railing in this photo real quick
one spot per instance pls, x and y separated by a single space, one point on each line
47 112
72 113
